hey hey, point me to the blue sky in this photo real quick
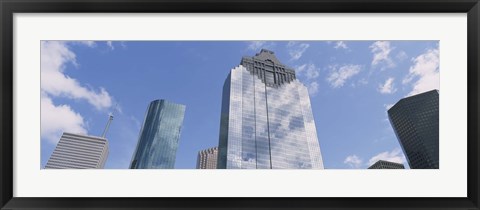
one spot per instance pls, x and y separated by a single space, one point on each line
351 86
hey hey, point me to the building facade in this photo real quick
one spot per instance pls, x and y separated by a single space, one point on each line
415 122
75 151
383 164
159 136
266 118
207 158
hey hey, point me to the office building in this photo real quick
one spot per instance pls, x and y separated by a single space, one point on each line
207 158
266 118
159 136
415 122
75 151
383 164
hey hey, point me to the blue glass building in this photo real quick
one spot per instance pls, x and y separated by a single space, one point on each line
266 119
158 141
416 124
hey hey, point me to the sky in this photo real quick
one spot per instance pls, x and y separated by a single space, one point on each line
351 86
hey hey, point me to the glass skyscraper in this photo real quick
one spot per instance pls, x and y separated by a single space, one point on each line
158 141
415 122
266 119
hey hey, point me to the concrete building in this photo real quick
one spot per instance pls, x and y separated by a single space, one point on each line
207 158
75 151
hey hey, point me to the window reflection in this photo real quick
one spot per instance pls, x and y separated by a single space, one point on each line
267 121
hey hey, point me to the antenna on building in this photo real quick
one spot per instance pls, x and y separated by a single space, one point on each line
110 118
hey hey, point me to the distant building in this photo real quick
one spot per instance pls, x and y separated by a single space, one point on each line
266 118
415 122
207 158
75 151
383 164
158 140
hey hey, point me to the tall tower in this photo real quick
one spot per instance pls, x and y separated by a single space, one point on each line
266 118
415 122
207 158
75 151
158 140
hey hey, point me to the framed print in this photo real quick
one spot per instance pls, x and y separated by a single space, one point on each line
121 104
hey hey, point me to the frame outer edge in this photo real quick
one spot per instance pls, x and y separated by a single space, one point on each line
2 193
473 21
6 106
6 132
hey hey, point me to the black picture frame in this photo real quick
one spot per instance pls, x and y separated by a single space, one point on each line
10 7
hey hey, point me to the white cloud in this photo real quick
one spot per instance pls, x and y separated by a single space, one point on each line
338 76
353 161
122 43
381 51
426 69
87 43
118 109
57 119
340 45
258 45
54 57
312 72
402 55
300 69
363 81
387 87
395 155
110 44
296 49
313 88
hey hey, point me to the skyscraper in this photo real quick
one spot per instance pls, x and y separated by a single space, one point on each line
415 122
383 164
207 158
158 140
75 151
266 119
